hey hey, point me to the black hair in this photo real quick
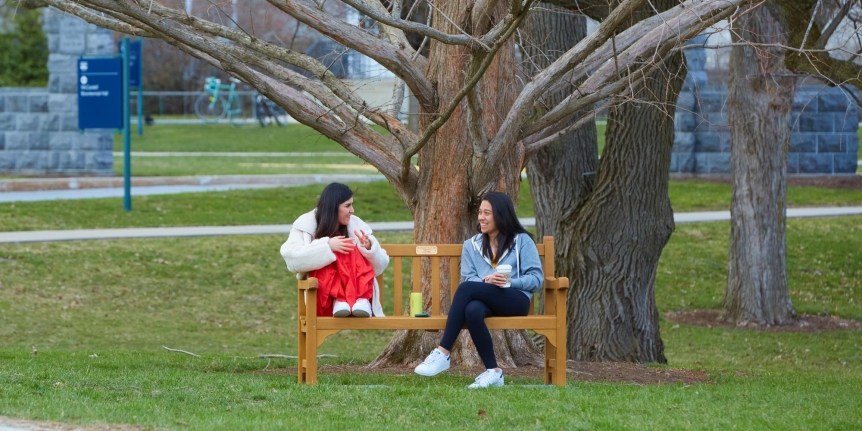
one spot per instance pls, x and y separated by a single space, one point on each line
326 216
508 225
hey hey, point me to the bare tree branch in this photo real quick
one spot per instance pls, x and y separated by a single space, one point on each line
833 25
396 59
87 15
523 105
679 29
475 71
411 26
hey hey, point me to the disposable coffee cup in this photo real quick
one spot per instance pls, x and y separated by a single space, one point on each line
415 303
506 270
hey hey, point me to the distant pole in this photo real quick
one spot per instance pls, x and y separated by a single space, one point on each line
127 135
140 86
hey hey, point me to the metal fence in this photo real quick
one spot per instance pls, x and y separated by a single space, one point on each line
180 105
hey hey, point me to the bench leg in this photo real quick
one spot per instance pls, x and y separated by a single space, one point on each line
550 353
559 376
555 360
311 356
300 358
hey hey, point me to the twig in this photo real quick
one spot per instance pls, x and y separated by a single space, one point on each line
810 24
180 351
325 355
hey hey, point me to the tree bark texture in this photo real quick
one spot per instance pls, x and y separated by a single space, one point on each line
760 97
561 175
447 201
624 226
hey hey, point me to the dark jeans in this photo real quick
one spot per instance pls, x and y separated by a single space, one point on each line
473 302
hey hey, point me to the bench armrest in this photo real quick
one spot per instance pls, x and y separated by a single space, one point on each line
554 283
309 283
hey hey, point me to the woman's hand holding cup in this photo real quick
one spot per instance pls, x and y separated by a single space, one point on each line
505 271
497 279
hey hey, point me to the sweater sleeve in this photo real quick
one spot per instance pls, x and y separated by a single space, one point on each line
377 257
302 257
531 274
468 269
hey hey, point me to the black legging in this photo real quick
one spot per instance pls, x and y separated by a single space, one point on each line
473 302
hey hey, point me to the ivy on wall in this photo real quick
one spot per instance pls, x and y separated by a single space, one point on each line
23 49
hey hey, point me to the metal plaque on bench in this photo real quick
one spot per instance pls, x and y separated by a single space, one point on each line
426 249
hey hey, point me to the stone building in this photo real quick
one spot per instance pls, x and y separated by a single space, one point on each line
824 120
39 126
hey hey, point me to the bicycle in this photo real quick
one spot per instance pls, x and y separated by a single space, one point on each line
267 111
212 105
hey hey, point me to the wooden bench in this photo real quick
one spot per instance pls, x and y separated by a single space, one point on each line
313 330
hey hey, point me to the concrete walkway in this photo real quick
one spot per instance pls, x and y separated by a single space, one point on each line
117 192
191 231
201 154
43 189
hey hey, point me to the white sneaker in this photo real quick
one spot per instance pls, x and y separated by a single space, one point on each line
362 308
340 309
434 364
487 379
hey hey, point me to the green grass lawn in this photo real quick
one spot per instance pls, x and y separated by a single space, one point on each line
376 201
99 312
228 138
204 165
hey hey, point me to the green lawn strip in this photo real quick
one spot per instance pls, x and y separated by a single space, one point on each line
229 138
180 392
205 165
708 196
376 201
98 313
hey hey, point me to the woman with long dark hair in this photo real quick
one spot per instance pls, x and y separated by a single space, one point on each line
501 247
335 246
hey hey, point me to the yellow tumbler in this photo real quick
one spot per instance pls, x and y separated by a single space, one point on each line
415 303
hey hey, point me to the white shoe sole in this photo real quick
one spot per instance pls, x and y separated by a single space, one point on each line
361 313
426 374
492 385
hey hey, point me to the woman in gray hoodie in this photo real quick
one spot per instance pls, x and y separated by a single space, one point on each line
484 292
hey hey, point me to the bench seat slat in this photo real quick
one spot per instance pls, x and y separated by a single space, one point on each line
433 322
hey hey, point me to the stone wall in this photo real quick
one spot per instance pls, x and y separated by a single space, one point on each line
39 126
824 119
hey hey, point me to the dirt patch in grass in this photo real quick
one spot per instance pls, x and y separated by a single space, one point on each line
602 372
803 323
847 182
56 426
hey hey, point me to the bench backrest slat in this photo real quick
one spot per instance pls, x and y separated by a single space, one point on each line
416 285
435 285
433 254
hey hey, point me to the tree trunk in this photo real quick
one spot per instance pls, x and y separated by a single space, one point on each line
624 225
447 203
561 174
760 96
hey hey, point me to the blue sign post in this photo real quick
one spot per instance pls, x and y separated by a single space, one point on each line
103 103
127 134
136 74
